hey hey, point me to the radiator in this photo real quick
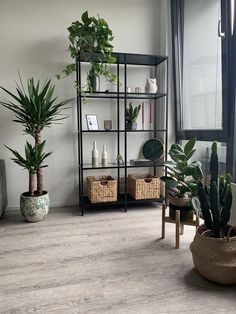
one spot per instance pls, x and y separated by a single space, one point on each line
233 208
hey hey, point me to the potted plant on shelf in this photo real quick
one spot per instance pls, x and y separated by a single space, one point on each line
214 245
91 38
34 109
181 179
132 116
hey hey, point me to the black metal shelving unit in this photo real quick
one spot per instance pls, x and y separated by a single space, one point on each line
124 60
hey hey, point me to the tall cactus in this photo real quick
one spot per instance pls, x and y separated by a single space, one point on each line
216 204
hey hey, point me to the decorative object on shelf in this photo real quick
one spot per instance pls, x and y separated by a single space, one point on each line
128 89
137 90
151 115
104 156
3 188
108 125
91 36
101 190
214 245
34 108
153 149
182 179
95 155
92 122
132 116
151 86
119 160
143 187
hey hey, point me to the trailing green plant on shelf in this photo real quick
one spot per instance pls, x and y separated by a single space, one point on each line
91 39
182 175
215 200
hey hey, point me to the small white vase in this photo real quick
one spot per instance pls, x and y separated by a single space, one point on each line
94 155
151 85
104 156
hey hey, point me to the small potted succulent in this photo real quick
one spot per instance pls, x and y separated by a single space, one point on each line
34 108
91 38
181 179
132 116
214 245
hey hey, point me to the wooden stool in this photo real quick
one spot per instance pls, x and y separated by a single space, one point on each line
179 225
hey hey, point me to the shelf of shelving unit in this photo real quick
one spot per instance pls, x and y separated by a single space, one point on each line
122 95
123 61
122 131
121 200
112 166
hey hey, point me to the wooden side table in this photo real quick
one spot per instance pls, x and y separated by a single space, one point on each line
179 225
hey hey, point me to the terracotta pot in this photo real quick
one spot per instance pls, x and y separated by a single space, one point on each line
215 258
34 208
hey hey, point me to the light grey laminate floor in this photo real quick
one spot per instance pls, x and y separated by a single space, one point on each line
105 262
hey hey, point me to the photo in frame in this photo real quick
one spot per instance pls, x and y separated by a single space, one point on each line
92 121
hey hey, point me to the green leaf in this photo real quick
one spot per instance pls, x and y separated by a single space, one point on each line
85 17
177 147
190 154
189 146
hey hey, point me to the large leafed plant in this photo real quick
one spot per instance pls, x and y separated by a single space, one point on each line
182 175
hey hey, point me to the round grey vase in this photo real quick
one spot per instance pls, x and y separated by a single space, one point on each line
131 125
3 188
34 208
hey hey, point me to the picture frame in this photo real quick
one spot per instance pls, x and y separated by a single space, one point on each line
92 122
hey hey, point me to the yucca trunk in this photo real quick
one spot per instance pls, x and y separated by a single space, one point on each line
39 170
31 184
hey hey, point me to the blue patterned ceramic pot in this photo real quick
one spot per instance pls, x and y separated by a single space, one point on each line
34 208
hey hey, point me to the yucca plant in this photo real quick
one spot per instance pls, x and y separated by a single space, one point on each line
34 108
32 161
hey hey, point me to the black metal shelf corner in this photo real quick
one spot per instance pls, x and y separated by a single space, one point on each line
160 99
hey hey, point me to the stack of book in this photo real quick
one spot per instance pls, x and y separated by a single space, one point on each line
142 162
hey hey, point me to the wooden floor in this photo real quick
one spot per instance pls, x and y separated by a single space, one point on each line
105 262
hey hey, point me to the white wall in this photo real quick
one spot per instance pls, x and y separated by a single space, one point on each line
33 38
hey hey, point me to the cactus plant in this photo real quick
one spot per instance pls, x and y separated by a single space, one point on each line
217 200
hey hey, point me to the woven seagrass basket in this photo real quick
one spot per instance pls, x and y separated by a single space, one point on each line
143 187
101 190
215 258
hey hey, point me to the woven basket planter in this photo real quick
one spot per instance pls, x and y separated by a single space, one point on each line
143 187
101 190
215 258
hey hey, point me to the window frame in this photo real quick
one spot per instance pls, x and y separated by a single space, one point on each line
227 133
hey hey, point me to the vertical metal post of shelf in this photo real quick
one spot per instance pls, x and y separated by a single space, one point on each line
166 111
166 103
79 131
125 139
118 126
155 124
